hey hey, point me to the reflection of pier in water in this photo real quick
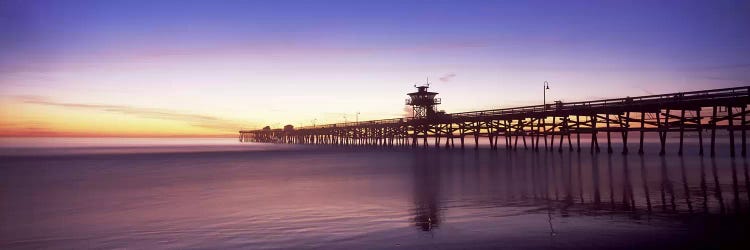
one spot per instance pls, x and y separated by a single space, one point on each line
583 184
426 192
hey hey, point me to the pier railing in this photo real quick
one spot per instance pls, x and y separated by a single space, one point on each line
536 110
692 111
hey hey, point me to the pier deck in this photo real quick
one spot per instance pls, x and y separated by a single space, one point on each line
540 127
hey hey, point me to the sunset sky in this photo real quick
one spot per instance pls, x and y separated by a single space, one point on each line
210 68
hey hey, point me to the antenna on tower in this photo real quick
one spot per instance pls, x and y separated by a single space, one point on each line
428 81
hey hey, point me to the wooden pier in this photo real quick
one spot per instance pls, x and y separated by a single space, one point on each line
557 126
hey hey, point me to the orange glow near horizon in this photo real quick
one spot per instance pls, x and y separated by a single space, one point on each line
33 120
213 70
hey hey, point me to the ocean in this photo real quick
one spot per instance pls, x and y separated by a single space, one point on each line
217 193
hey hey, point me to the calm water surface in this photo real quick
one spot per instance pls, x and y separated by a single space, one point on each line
216 193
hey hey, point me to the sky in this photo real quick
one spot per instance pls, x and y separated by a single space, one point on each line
210 68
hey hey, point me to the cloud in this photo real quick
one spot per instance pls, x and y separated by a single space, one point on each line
722 67
447 77
197 120
646 91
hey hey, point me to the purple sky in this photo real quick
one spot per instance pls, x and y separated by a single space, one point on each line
275 62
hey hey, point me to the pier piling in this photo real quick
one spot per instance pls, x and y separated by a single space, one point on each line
557 121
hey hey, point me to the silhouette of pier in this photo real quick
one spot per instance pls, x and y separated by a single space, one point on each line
556 126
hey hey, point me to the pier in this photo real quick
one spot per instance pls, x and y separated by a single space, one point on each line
556 126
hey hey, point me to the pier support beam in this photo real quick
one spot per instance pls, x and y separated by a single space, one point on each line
539 131
663 131
682 130
476 136
609 139
519 129
713 132
731 131
552 132
563 129
544 131
643 130
578 132
532 133
625 125
594 140
700 131
462 130
743 125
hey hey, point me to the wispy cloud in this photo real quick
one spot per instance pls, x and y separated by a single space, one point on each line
722 67
198 120
447 77
646 91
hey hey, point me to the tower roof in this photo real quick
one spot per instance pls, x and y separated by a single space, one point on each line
422 93
422 90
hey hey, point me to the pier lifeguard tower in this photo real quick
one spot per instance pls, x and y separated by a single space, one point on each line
423 102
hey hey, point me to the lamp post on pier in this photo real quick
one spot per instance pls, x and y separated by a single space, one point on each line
544 100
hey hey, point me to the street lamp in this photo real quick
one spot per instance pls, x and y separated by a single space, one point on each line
546 87
357 117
